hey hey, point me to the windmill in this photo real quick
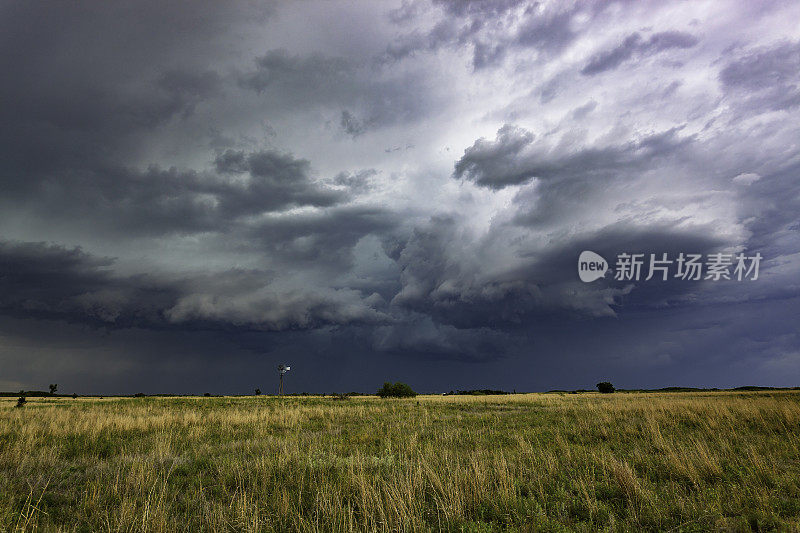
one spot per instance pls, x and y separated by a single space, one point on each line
282 369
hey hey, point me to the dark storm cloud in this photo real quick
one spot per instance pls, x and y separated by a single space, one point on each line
52 282
514 158
443 274
288 83
277 180
418 335
301 78
555 267
635 46
771 206
48 281
247 173
79 127
86 84
247 300
325 238
496 163
82 100
159 201
438 280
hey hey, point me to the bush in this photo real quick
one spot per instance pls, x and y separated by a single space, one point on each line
21 401
396 390
605 387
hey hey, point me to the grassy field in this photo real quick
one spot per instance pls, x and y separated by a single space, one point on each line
537 462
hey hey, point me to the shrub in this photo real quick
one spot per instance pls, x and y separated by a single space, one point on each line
21 401
396 390
258 392
605 387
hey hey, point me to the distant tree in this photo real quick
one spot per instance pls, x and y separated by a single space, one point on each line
396 390
21 401
53 388
74 395
207 394
605 387
258 392
139 395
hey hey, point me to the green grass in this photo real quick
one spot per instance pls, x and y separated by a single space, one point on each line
691 461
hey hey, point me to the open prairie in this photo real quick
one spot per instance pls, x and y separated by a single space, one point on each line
542 462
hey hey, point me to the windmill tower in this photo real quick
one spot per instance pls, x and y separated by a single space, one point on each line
282 369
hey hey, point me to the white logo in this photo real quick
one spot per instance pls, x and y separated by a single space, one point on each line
686 266
591 266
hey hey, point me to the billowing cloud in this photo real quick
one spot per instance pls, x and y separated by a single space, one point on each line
514 158
222 187
46 281
496 162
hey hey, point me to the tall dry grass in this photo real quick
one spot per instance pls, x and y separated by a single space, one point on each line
586 462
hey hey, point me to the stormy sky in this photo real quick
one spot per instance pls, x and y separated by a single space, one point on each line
195 192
